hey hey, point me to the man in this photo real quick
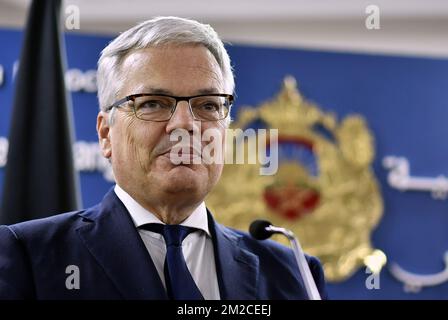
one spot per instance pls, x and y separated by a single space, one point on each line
152 237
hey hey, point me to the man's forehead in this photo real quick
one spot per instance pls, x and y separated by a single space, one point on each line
153 71
171 59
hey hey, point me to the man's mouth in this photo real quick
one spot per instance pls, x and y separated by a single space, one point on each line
179 155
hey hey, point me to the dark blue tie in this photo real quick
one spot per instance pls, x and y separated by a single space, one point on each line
179 282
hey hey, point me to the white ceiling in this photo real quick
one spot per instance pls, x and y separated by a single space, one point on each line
411 27
132 10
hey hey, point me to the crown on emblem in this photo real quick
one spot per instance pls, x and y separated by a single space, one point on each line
288 111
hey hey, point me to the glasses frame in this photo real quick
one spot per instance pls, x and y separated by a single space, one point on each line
132 97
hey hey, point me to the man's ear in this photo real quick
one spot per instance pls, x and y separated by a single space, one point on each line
103 129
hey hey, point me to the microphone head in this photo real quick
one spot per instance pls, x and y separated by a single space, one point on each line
258 230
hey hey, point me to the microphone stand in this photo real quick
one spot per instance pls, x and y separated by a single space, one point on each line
310 285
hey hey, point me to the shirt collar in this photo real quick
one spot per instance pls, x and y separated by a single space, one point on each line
198 218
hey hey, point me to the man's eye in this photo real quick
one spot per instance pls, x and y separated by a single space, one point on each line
154 104
209 106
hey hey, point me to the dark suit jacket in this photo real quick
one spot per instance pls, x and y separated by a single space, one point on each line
113 262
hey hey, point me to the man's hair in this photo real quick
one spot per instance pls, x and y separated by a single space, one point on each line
152 33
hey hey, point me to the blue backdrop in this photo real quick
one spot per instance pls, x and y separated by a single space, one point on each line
405 101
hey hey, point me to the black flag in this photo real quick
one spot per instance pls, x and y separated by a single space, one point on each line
40 179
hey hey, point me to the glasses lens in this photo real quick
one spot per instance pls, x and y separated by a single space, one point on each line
210 107
156 108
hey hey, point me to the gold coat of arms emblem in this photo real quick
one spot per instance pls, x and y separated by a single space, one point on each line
325 190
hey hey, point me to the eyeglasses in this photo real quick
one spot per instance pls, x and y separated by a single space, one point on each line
161 107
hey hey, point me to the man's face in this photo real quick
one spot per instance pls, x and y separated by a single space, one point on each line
140 150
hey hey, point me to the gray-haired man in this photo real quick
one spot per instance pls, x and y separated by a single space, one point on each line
152 237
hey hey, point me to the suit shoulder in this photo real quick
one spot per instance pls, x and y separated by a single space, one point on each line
46 227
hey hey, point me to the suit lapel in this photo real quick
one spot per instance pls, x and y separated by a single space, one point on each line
237 268
113 240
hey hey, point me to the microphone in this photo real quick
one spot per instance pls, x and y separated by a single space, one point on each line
258 229
262 230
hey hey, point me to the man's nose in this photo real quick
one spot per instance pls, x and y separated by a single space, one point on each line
181 119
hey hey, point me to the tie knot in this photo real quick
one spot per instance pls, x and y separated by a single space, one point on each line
173 234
